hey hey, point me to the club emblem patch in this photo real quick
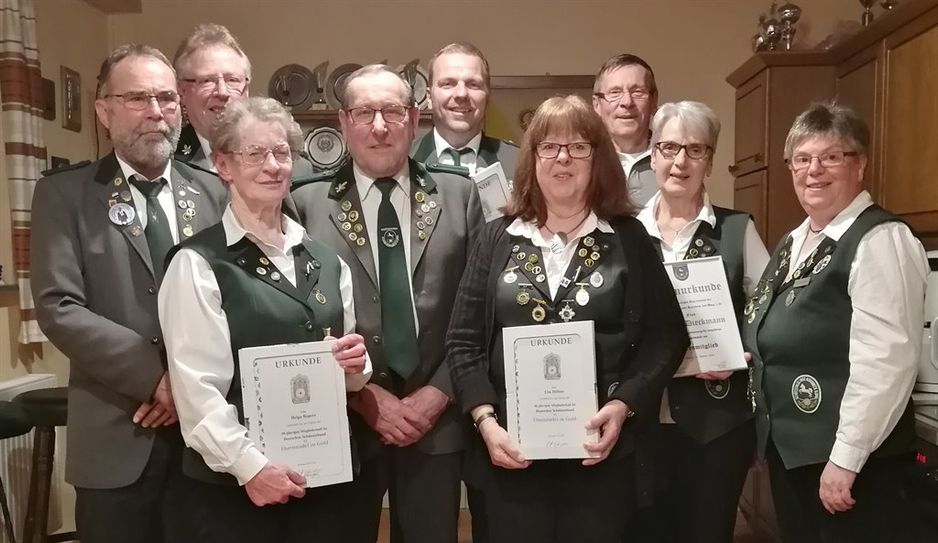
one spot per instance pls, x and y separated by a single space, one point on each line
390 237
718 389
681 272
806 393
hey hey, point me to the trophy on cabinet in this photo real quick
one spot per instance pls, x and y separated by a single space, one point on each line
318 89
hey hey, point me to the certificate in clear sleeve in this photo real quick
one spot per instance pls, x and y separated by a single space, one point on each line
295 409
494 190
704 296
550 384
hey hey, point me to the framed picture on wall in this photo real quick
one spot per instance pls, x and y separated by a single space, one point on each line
71 99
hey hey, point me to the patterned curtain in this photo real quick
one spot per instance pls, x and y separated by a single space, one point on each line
25 150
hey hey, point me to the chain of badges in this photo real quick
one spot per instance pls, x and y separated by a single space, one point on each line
121 211
350 221
424 211
525 259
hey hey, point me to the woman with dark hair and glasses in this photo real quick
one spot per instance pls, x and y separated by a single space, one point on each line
256 278
835 332
568 250
705 438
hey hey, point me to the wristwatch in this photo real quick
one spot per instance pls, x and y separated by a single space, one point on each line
483 417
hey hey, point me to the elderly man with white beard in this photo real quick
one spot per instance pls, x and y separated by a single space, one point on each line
100 235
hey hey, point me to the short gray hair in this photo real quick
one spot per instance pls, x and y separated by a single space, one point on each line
407 96
226 132
695 117
128 50
204 36
831 120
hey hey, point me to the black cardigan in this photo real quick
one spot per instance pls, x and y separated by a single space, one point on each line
655 325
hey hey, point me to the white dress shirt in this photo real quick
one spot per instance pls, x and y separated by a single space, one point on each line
468 160
755 256
627 160
371 196
198 347
165 197
207 149
556 264
887 291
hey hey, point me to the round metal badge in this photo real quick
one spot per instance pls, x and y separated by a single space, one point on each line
122 214
717 389
806 393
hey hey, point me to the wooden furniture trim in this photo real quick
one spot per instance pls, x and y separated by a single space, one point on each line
748 164
874 53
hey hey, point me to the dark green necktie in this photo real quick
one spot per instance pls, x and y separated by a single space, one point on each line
397 310
457 155
159 236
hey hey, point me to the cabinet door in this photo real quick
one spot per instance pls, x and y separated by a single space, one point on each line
751 115
910 139
749 196
859 86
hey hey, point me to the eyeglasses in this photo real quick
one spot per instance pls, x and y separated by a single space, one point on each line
829 159
366 115
614 96
138 101
577 149
253 155
695 151
235 84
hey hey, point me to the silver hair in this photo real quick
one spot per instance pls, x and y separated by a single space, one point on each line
407 96
831 120
694 117
226 131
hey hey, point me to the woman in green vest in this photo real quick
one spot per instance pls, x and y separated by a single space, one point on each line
567 250
706 437
254 279
835 332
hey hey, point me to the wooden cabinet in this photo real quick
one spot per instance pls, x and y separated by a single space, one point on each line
887 73
750 197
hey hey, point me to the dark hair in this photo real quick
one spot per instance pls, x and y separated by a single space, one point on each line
374 69
620 61
607 194
119 54
829 119
465 48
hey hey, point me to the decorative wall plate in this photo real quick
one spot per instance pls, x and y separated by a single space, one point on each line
293 86
336 84
325 147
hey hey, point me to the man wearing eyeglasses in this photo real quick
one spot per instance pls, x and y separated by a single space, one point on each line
459 94
100 234
404 229
625 97
212 70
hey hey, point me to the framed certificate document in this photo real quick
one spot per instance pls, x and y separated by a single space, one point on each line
294 409
550 380
704 295
494 190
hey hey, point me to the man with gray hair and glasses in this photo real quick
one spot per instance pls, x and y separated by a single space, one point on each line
100 235
625 97
405 231
212 70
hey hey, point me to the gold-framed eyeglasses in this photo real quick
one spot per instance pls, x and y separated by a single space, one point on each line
695 151
138 101
828 159
613 96
366 115
234 83
577 149
253 155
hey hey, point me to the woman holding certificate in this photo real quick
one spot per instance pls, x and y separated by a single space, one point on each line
255 279
706 438
835 331
565 304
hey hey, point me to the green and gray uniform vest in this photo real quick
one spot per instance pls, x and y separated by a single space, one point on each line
799 335
593 289
263 308
706 410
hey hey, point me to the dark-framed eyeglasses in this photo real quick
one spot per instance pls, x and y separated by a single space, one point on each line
577 149
366 115
138 101
613 96
695 151
234 83
828 159
253 155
